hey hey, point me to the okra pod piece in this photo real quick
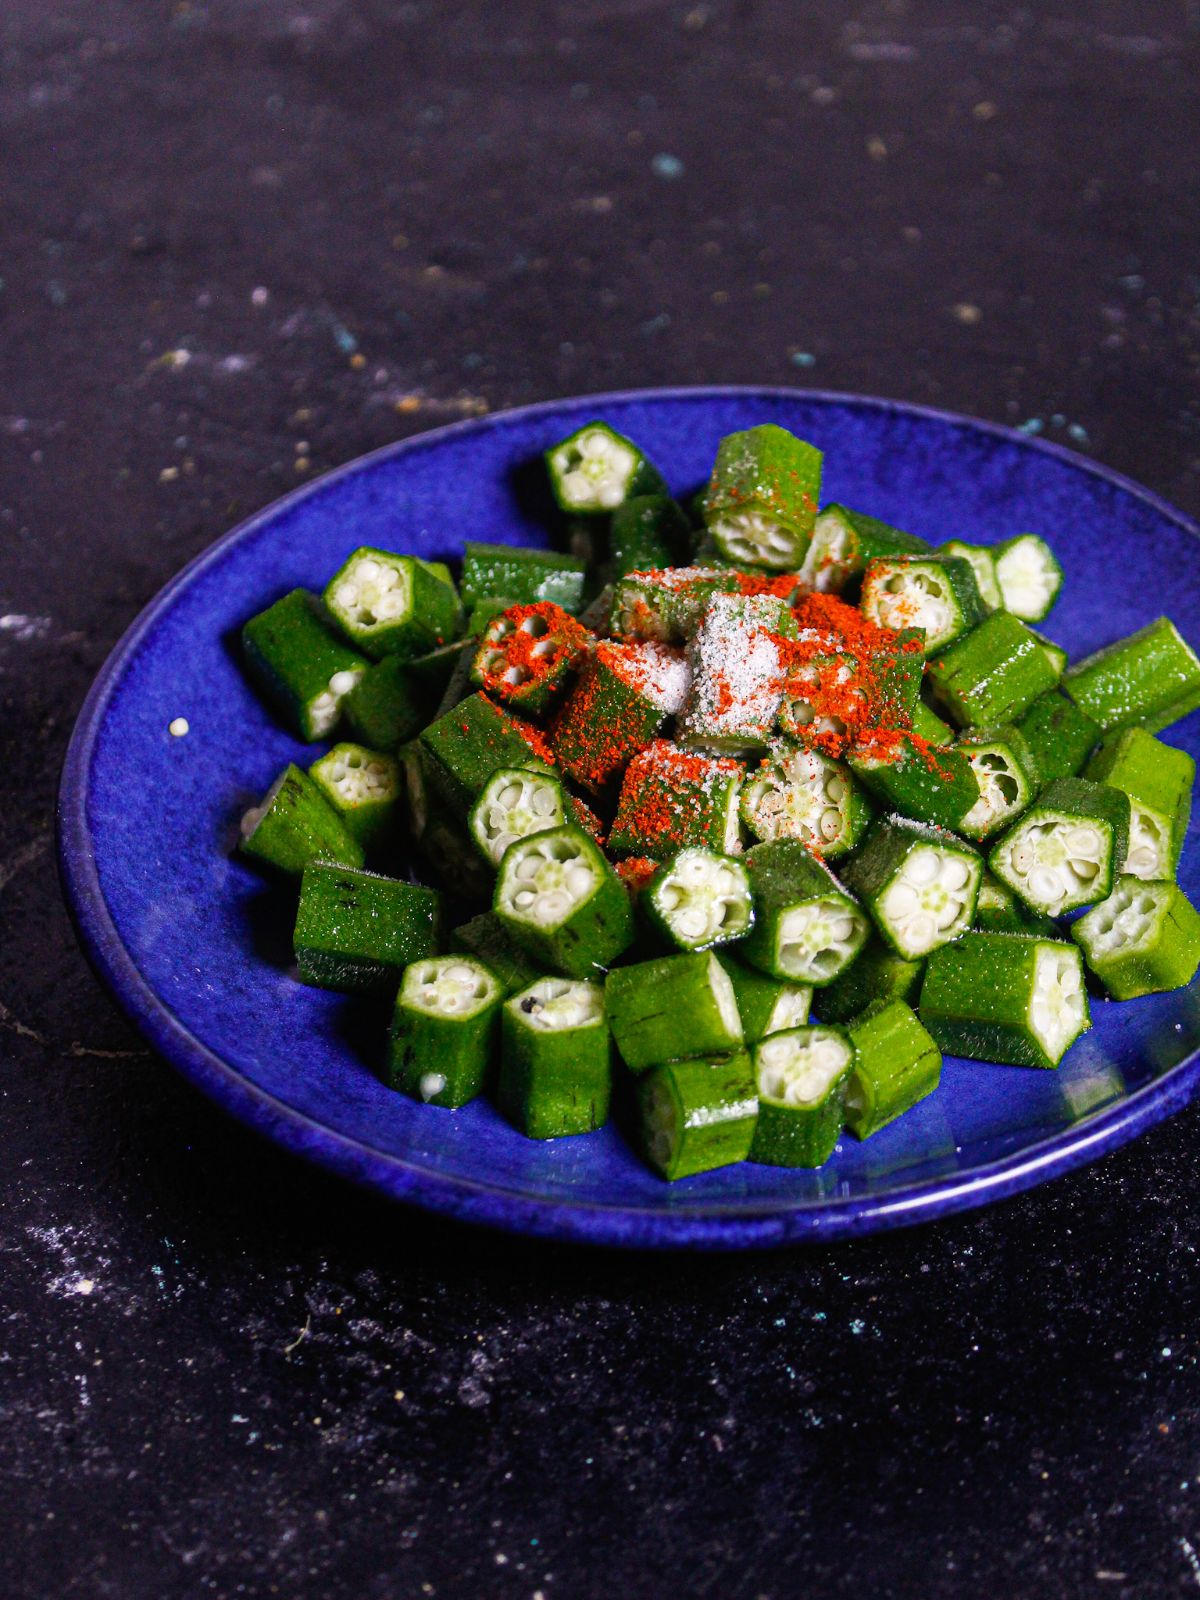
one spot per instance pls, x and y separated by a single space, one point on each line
648 531
671 1008
697 899
356 931
765 1005
1006 997
302 669
896 1064
807 928
1059 736
1148 680
671 798
460 751
1054 653
363 787
483 612
563 903
392 605
992 674
666 605
1007 775
487 939
393 699
595 469
555 1059
844 542
295 824
444 1030
926 724
801 1078
762 498
934 785
935 593
919 884
1067 848
523 576
697 1115
1158 779
801 794
1145 938
528 656
513 804
452 857
983 564
876 973
998 910
619 703
1029 576
736 659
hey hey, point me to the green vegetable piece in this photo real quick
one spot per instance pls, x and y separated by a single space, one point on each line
363 787
513 804
460 751
998 910
523 576
452 857
1054 653
648 532
919 884
666 605
927 725
1006 997
484 611
621 700
737 669
896 1064
1158 779
356 931
1066 849
393 700
563 903
697 1115
1007 776
458 686
697 899
444 1030
671 798
844 542
596 469
877 973
528 656
801 1077
555 1059
487 939
671 1008
807 927
935 593
937 786
302 669
1150 679
1059 736
762 498
392 605
802 794
992 674
1028 575
1145 938
295 824
765 1005
983 565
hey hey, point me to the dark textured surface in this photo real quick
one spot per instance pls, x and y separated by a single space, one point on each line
223 1374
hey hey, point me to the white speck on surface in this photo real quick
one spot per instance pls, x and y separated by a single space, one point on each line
23 628
178 727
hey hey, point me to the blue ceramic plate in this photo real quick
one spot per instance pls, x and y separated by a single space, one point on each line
184 936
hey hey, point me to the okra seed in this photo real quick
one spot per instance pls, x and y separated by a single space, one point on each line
431 1084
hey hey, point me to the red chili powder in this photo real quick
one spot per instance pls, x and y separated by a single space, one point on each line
635 872
662 791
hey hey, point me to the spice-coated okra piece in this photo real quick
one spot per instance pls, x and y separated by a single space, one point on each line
844 542
766 1005
896 1064
1149 679
555 1059
461 750
671 798
802 794
666 605
521 575
647 532
363 787
1005 997
513 803
935 593
1007 775
807 928
927 725
931 783
697 899
671 1008
487 939
823 699
998 910
876 973
300 666
1158 779
992 674
444 1030
1068 847
1028 575
801 1078
528 656
392 605
1143 939
619 703
762 498
736 658
919 884
356 931
295 824
697 1115
1058 734
595 469
558 895
393 699
983 565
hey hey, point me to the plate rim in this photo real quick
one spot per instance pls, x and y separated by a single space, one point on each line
511 1211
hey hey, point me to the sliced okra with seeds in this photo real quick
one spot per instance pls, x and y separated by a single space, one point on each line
1149 679
300 666
766 1005
983 564
295 824
992 674
736 662
807 927
666 605
1007 777
1143 939
919 884
363 787
1058 734
671 798
1006 997
1158 779
444 1030
933 784
844 542
487 939
520 574
998 910
762 498
896 1064
560 898
513 804
595 469
1066 849
696 1115
621 700
528 656
876 973
555 1059
1029 576
821 697
802 794
801 1077
357 931
392 605
648 531
698 898
463 747
935 593
670 1008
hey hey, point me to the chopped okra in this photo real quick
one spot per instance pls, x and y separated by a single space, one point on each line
1068 847
876 973
520 576
392 605
801 1078
919 884
597 469
1144 938
562 901
444 1030
363 787
487 939
300 666
1006 997
621 700
935 593
896 1064
528 656
697 1115
1158 779
983 564
1149 680
737 664
514 803
1007 777
844 542
807 927
998 910
666 605
648 531
992 674
295 824
671 798
761 502
1028 575
932 785
672 1008
797 793
697 899
461 750
357 931
766 1005
1058 734
555 1059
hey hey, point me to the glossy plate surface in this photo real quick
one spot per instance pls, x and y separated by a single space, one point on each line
188 940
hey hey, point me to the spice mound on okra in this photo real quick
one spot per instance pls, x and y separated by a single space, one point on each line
735 813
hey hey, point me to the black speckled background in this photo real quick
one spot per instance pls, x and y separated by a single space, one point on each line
243 242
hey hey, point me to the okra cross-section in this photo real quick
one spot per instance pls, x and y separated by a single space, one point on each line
1028 575
766 1005
845 541
935 593
896 1063
1158 779
671 798
1067 848
670 1008
807 928
697 1115
919 884
1149 679
762 497
363 787
555 1059
801 1078
295 824
392 605
802 794
992 674
444 1030
299 665
983 565
876 973
697 899
1143 939
737 669
357 931
620 701
1006 997
1007 776
528 656
563 902
513 804
596 469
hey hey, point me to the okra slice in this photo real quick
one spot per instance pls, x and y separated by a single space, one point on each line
1066 850
562 901
444 1030
555 1059
1059 736
762 497
876 973
698 898
392 605
363 787
998 910
295 824
821 700
1145 938
487 939
927 725
1054 653
1008 778
697 1115
1006 997
896 1064
935 593
595 469
301 668
619 703
737 667
528 656
933 784
983 565
671 798
648 531
992 674
513 804
765 1005
357 931
460 751
523 576
1158 779
801 1078
1029 576
807 927
393 699
666 604
671 1008
845 541
1150 679
919 884
797 793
